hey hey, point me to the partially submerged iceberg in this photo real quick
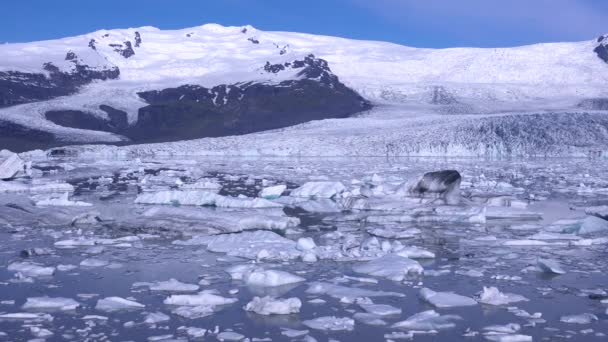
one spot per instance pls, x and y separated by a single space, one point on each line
259 277
203 198
550 266
428 321
445 299
50 304
10 165
599 211
201 299
318 190
391 266
330 323
492 296
254 245
110 304
271 306
272 192
443 184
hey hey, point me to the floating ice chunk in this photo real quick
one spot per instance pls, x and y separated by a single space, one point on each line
92 262
250 244
50 304
393 267
443 184
305 244
41 333
292 333
230 336
492 296
156 317
381 309
393 233
203 184
592 224
584 318
599 211
203 198
508 338
195 332
318 190
504 329
445 299
27 316
270 278
60 201
110 304
414 252
346 294
330 323
550 266
271 306
194 312
369 319
10 165
29 269
200 299
427 321
509 213
171 285
272 192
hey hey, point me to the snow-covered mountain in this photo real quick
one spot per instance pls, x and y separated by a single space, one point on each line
148 85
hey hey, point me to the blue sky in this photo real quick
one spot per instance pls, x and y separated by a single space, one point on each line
421 23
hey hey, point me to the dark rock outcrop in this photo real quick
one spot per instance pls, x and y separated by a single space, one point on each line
254 40
602 48
137 39
125 49
18 138
116 122
18 87
192 111
594 104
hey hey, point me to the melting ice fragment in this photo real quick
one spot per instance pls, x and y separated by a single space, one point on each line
29 269
272 192
50 304
584 318
492 296
330 323
427 321
110 304
550 266
445 299
271 306
391 266
318 190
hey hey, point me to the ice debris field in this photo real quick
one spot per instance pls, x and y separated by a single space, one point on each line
302 249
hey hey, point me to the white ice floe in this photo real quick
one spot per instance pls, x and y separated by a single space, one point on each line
380 309
156 317
203 198
427 321
584 318
272 192
29 269
253 245
224 221
230 336
10 165
271 306
346 294
394 233
93 262
318 190
369 319
171 285
492 296
330 323
508 338
305 244
393 267
60 200
110 304
200 299
203 184
598 211
50 304
445 299
550 266
414 252
27 316
259 277
194 312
